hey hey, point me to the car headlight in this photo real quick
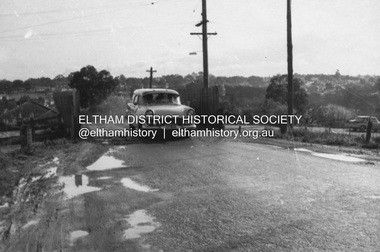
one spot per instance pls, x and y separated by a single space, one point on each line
149 112
190 112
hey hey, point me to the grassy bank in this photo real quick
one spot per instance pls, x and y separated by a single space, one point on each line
329 138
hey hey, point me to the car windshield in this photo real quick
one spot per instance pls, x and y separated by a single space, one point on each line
161 98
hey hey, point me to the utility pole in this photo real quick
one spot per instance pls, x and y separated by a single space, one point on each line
204 34
290 61
151 71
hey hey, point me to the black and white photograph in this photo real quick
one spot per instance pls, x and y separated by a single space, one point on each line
189 125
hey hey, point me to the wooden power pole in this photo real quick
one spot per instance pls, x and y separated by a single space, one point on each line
290 60
204 34
151 71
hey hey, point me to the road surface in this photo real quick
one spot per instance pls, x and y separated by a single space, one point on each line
205 194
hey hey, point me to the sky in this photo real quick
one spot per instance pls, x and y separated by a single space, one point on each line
46 38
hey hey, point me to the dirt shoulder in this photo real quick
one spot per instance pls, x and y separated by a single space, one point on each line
31 206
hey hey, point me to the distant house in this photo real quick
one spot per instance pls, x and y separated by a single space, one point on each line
26 111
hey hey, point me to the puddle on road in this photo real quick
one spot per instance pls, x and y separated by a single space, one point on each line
34 179
303 150
141 223
51 172
129 183
4 205
104 178
106 162
372 197
76 185
30 223
331 156
76 235
338 157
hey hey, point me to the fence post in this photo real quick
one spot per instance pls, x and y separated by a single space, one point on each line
26 138
369 130
74 115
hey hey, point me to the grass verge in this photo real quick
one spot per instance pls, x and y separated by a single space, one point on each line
329 138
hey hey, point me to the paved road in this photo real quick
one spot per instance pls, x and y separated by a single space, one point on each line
220 195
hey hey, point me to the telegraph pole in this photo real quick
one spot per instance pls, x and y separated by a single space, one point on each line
151 71
204 34
290 60
204 43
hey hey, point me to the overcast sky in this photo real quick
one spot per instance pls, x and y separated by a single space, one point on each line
45 38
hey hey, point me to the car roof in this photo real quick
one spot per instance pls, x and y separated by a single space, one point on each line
144 91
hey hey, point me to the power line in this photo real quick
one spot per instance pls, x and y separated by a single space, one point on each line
15 13
109 30
69 19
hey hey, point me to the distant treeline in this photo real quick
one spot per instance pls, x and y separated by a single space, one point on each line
172 81
338 96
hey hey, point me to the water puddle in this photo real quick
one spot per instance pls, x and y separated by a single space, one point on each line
303 150
34 179
77 235
30 223
338 157
76 185
141 223
106 162
104 178
51 172
5 205
331 156
372 197
129 183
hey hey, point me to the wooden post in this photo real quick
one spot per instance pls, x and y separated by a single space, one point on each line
26 138
78 180
369 130
74 128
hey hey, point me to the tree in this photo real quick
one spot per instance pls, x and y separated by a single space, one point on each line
278 92
18 84
93 87
377 84
332 115
5 86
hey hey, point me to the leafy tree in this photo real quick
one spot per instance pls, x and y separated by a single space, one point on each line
332 115
18 84
93 87
5 86
174 81
271 106
278 92
377 84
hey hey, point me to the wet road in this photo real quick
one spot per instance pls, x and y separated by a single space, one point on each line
219 195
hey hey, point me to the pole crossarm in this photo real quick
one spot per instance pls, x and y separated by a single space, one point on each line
200 33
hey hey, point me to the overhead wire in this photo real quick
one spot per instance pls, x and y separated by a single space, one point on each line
86 32
69 19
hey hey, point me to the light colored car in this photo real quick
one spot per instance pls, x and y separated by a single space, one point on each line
361 122
160 104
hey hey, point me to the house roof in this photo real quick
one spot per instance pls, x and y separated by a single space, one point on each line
29 109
